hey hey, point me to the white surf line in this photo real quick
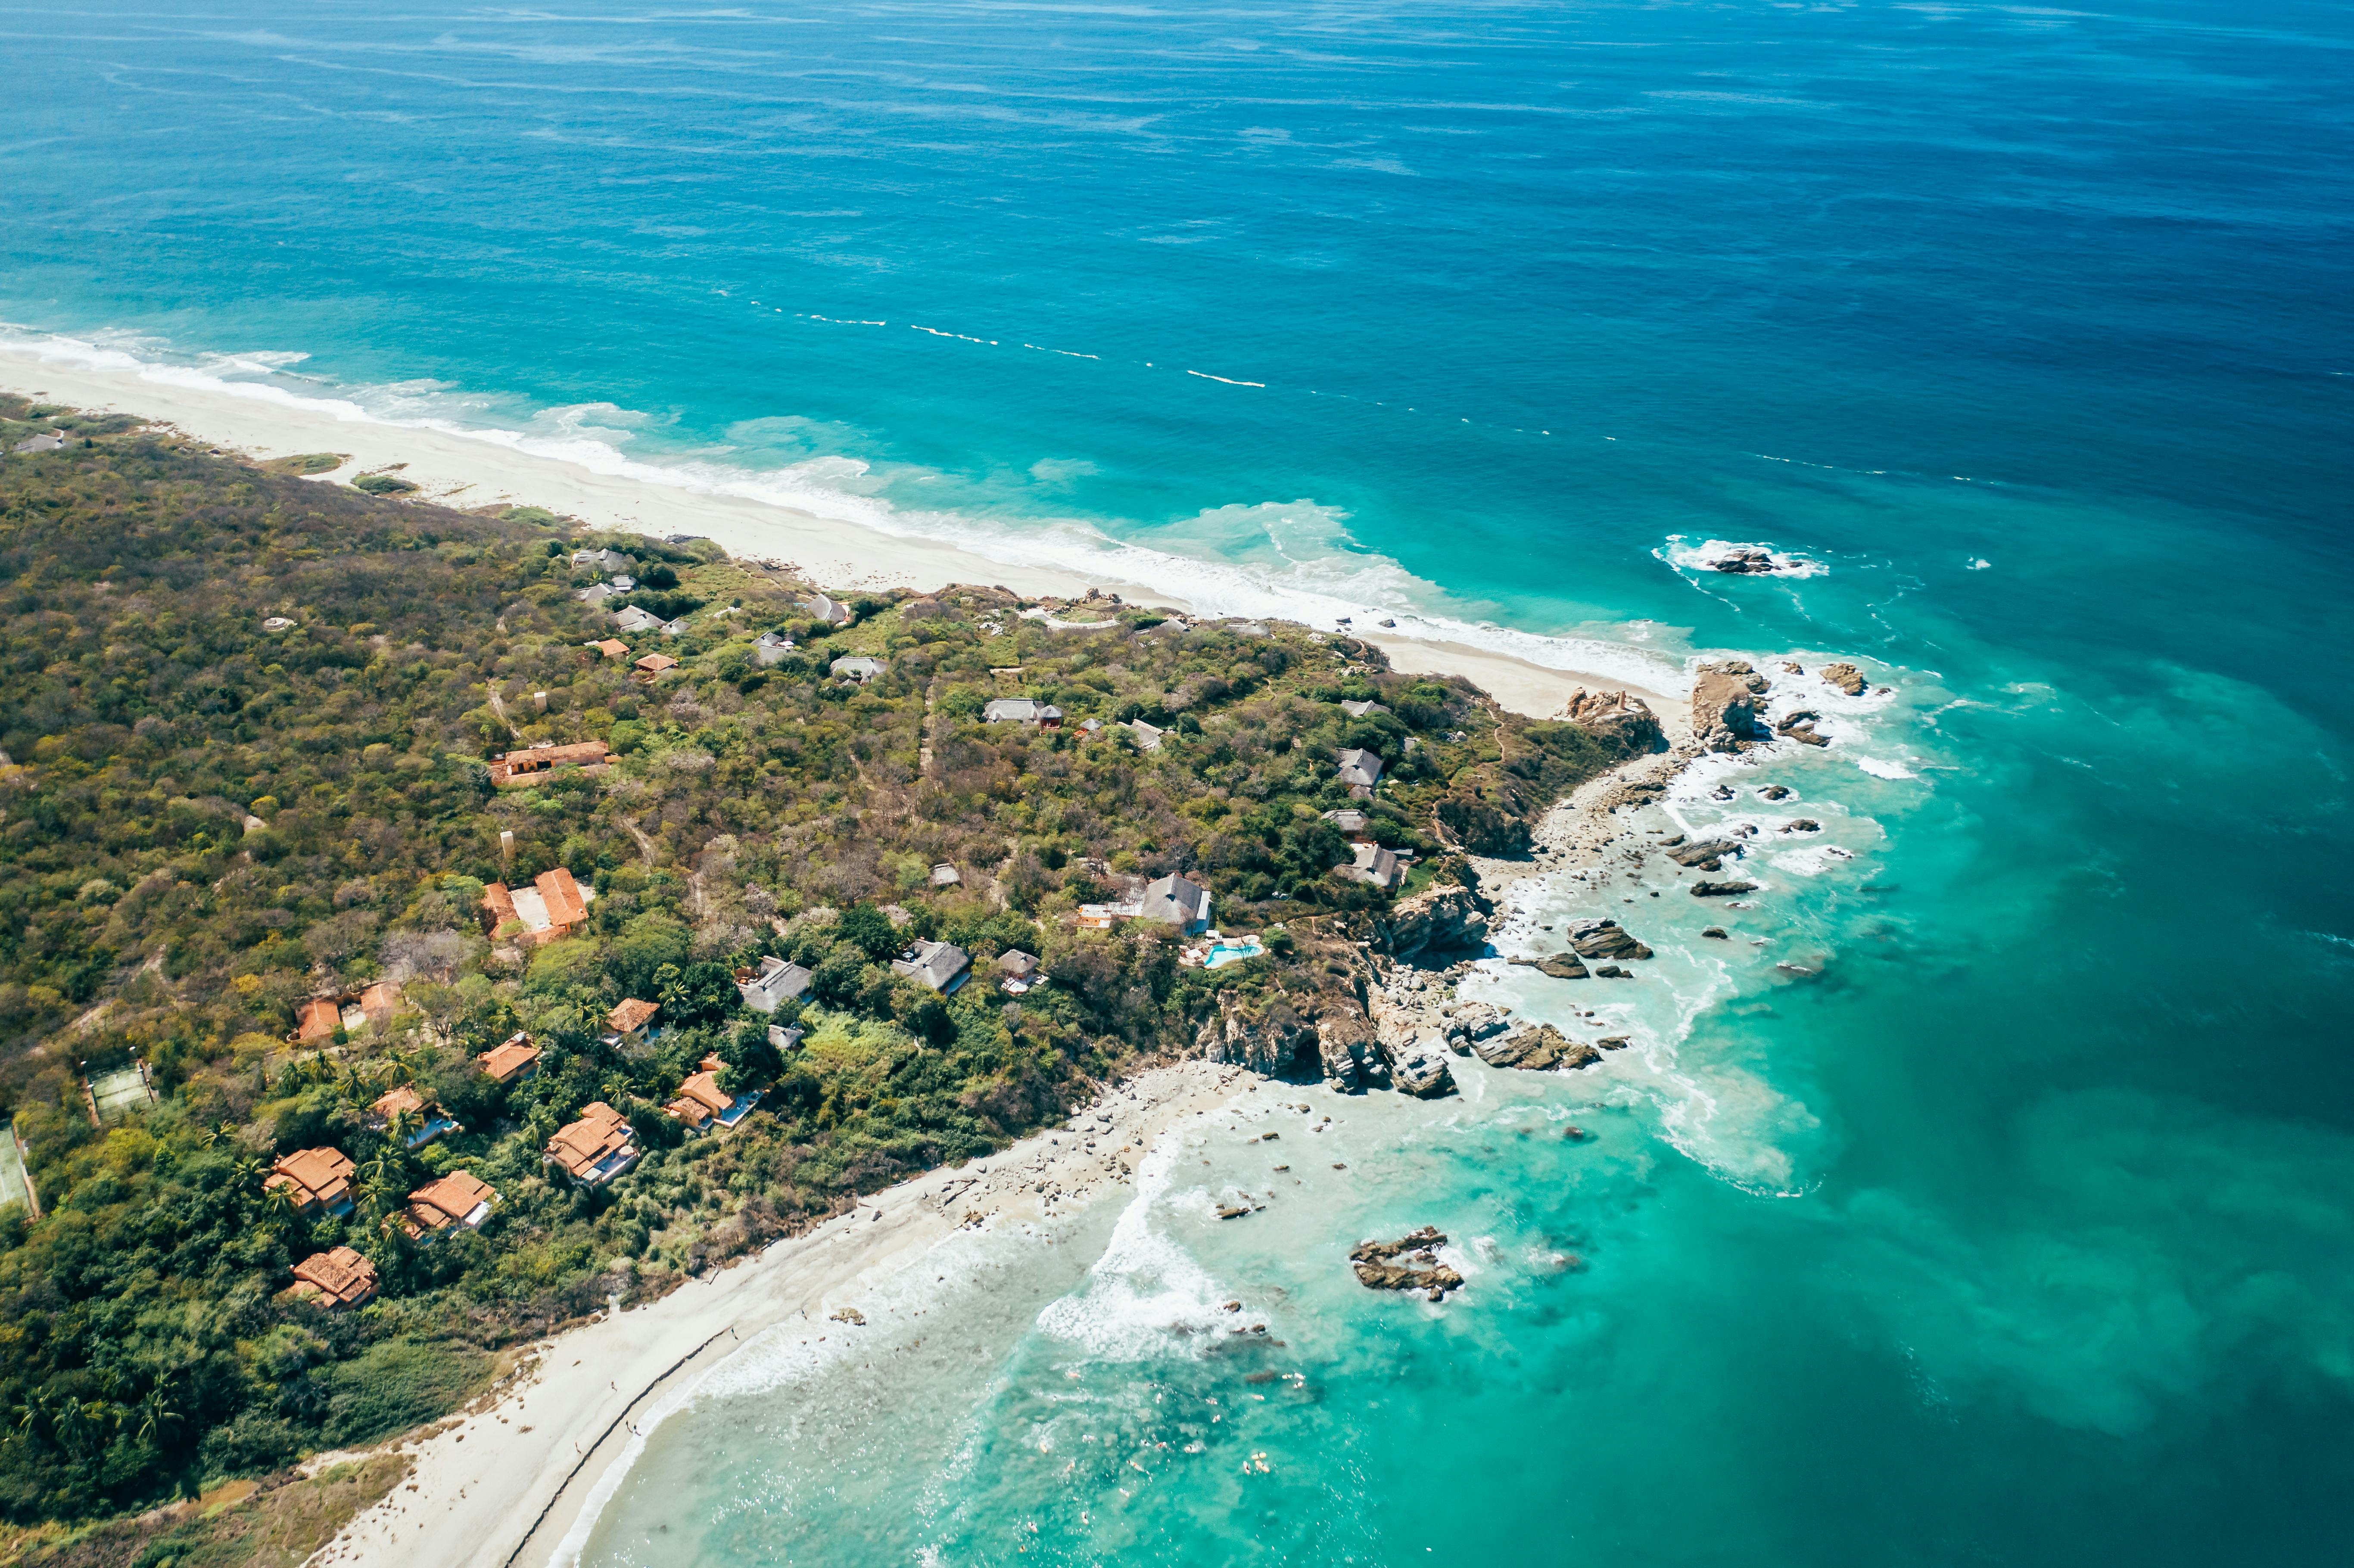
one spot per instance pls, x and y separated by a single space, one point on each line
1231 382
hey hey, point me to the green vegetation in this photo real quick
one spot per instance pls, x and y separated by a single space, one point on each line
308 462
208 819
382 485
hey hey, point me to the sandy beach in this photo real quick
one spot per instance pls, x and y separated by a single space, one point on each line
480 468
508 1481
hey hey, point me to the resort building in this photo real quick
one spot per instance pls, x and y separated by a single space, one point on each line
612 647
631 619
459 1201
784 1038
596 1148
831 611
1148 736
651 667
603 561
535 763
703 1103
1375 865
774 983
515 1061
1360 770
1176 901
630 1023
335 1278
857 667
1023 710
554 906
317 1019
1359 710
404 1100
318 1180
771 648
1349 819
1017 972
938 966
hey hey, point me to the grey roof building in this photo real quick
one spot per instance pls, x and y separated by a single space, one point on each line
1359 710
1175 901
774 983
1349 819
858 667
594 593
603 560
1017 964
1377 865
771 648
630 618
833 612
1022 710
941 966
1148 736
1361 769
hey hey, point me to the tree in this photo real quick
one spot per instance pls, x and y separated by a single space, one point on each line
870 930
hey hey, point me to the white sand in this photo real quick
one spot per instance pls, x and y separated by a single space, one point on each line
480 468
509 1481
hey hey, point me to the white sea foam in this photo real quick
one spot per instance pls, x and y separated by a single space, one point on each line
1880 768
1145 1284
1292 561
1685 555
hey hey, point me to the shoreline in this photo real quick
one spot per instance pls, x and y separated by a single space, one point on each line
520 1478
473 470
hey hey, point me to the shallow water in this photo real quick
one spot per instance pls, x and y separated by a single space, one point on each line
1999 1206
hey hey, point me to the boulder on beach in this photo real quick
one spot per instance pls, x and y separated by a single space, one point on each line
1421 1070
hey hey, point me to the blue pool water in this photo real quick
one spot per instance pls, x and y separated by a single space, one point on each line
2013 1220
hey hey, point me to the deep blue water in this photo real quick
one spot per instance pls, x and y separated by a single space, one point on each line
2025 1231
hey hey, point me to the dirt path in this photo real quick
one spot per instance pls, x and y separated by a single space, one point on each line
645 845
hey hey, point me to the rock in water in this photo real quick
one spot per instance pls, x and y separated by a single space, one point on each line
1846 677
1802 825
1421 1070
1594 937
1721 889
1378 1267
1561 966
1800 726
1775 791
1724 705
1473 1020
1707 855
1717 932
1535 1050
1743 560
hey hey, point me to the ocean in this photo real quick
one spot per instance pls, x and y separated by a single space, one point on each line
1998 1205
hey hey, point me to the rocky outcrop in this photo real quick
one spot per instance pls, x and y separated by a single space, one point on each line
1472 1021
1561 966
1409 1263
1802 825
1800 726
1421 1070
1708 855
1744 560
1724 705
1595 937
1344 1048
1717 932
1627 722
1721 889
1267 1045
1451 918
1775 791
1846 677
1535 1050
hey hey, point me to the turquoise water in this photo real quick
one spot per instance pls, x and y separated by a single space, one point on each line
2013 1221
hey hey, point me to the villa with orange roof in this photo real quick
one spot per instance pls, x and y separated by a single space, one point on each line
337 1278
318 1180
535 763
554 906
630 1023
317 1019
460 1201
702 1102
431 1122
596 1148
513 1062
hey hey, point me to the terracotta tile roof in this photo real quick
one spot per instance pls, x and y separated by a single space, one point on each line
317 1019
631 1015
394 1101
317 1177
380 999
341 1276
655 663
613 648
509 1059
439 1204
500 903
600 1134
567 910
